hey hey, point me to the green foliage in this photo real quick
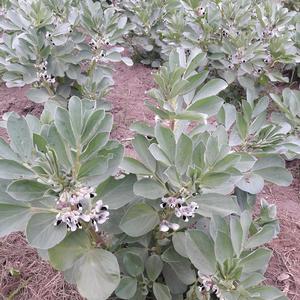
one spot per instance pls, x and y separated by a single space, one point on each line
176 220
147 18
61 49
289 105
249 42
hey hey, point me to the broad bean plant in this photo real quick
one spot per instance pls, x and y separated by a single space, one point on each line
148 19
176 221
251 43
61 48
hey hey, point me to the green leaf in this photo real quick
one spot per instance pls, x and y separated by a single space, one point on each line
127 61
195 63
256 261
161 291
166 140
251 183
174 283
40 143
139 220
253 279
117 193
200 249
93 167
212 150
6 152
63 124
127 288
214 179
154 266
20 136
264 235
159 154
133 264
27 190
132 165
212 88
191 116
180 265
236 234
223 247
142 128
13 217
93 125
268 292
183 155
95 145
209 106
64 255
242 126
149 189
10 169
41 232
56 142
276 175
179 242
216 204
141 145
38 95
76 115
97 274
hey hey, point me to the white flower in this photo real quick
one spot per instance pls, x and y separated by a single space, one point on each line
70 218
99 214
165 226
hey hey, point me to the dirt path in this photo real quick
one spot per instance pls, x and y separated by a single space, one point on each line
39 282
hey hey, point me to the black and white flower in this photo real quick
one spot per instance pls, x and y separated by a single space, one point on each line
99 215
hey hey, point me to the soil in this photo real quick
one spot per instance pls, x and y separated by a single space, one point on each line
24 276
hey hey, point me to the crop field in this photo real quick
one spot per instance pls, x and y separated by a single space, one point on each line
150 150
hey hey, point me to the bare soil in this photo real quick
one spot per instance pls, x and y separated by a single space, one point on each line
24 276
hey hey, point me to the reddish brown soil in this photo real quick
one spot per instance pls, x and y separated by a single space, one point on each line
38 281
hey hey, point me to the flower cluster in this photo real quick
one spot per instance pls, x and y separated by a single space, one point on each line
181 209
95 45
74 208
207 285
42 73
